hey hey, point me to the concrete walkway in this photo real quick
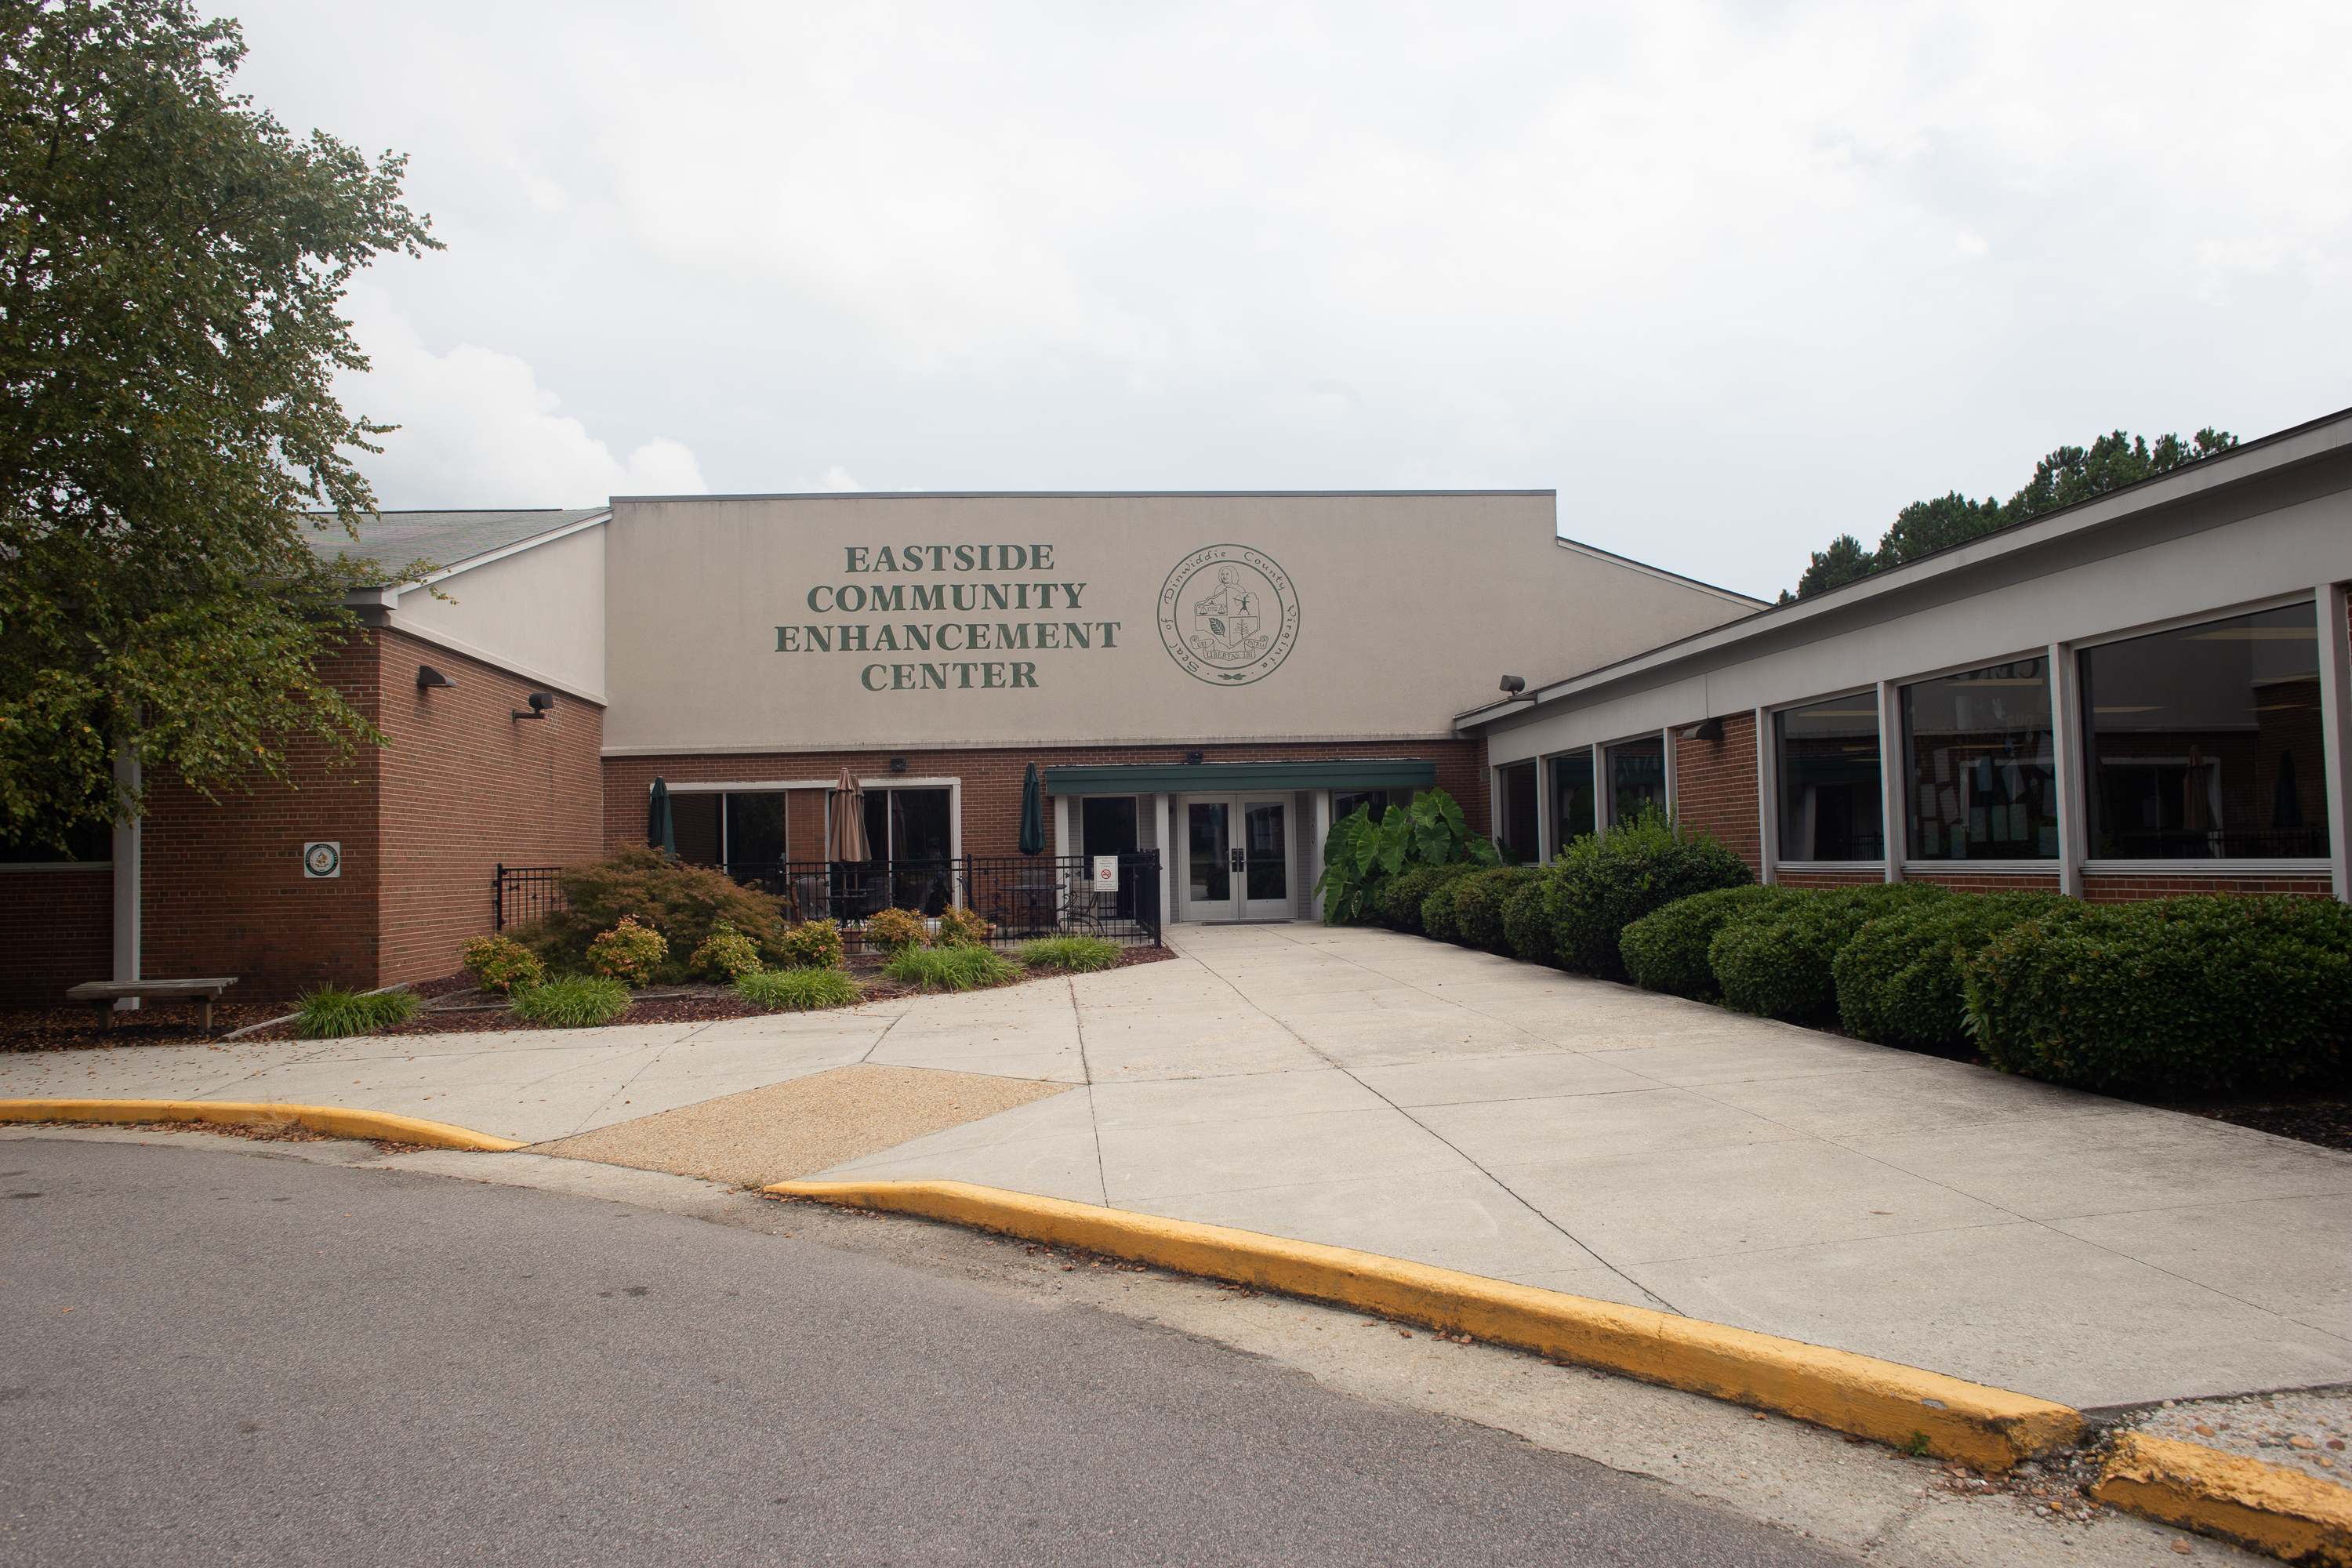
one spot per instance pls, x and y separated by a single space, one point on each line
1374 1090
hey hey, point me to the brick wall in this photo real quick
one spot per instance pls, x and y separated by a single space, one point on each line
1715 787
1816 878
57 929
466 785
2115 888
992 780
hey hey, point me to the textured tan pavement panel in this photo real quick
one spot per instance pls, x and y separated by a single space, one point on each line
805 1124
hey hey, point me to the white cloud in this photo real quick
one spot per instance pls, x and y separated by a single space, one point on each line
477 429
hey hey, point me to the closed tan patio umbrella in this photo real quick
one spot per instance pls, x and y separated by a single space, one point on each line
845 821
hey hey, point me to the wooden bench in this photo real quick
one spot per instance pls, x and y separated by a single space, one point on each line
109 992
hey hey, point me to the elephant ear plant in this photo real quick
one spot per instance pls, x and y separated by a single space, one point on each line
1359 854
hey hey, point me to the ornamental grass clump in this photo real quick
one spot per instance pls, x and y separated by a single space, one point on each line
2197 995
1074 954
329 1014
576 1001
892 932
502 964
726 955
629 952
1601 884
812 944
799 990
950 968
1666 949
1898 979
961 928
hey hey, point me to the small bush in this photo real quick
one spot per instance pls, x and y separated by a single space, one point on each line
1478 901
1774 959
1602 884
961 928
682 902
1078 954
629 952
1898 979
812 944
892 932
1398 899
577 1002
2176 997
800 990
328 1014
1665 950
1527 923
949 968
726 955
500 963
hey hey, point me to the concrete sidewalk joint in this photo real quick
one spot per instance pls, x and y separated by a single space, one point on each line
1903 1407
339 1121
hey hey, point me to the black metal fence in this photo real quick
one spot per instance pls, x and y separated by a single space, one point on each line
524 893
1022 896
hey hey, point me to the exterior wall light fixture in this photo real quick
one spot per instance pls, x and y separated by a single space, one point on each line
1516 688
540 701
428 678
1706 730
897 764
1192 759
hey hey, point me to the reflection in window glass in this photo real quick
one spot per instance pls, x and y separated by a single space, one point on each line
1375 801
1571 789
755 829
1829 781
1637 778
2205 742
1983 765
1519 824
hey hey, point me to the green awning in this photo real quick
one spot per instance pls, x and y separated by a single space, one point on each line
1206 778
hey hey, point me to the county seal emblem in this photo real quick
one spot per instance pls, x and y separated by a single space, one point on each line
1228 614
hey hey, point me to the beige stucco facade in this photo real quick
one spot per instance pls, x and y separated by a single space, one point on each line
822 623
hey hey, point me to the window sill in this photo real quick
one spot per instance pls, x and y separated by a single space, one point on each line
2205 867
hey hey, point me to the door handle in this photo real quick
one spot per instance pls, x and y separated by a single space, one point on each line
1234 859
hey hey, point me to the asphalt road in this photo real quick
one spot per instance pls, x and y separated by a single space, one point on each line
207 1357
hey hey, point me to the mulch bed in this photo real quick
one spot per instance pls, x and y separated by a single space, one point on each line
2325 1122
86 1027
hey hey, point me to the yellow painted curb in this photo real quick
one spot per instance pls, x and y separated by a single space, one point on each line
335 1119
1988 1427
2267 1508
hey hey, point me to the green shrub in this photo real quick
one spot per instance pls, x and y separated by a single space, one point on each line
1602 884
1665 950
1078 954
892 932
961 928
2176 997
950 968
812 944
502 963
1362 857
1898 979
682 902
1527 923
726 955
328 1014
1774 959
1478 901
798 990
1438 920
629 952
577 1002
1398 899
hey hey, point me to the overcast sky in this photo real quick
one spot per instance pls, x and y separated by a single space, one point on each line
1731 279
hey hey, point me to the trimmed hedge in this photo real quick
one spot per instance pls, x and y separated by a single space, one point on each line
1898 979
2176 997
1527 927
1774 960
1398 899
1601 885
1479 903
1666 949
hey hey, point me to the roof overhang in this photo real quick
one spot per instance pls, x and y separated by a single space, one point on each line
1208 778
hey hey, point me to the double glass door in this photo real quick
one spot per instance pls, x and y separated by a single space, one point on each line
1237 856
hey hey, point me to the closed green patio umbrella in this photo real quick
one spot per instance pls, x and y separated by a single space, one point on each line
1032 814
661 828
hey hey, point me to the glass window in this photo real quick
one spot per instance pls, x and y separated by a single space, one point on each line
1637 778
1106 825
2204 743
1344 806
1829 781
1519 825
1572 790
87 841
755 829
1979 753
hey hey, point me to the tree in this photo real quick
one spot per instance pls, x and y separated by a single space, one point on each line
2066 475
169 440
